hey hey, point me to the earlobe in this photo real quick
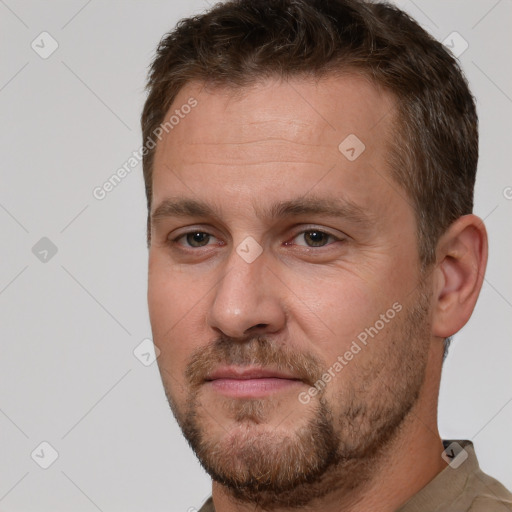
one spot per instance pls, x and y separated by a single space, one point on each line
461 263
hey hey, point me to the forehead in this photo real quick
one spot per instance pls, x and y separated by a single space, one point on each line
276 137
298 107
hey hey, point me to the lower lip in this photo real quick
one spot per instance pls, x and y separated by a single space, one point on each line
252 388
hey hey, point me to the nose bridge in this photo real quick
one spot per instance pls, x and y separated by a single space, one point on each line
244 298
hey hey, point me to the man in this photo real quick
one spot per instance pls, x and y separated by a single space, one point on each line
309 170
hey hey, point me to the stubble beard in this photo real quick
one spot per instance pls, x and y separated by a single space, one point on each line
332 449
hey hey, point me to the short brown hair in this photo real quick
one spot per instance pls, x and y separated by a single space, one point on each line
434 151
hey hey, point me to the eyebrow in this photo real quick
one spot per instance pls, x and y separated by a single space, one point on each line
185 207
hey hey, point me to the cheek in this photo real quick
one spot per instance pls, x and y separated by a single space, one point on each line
340 307
337 303
176 310
171 293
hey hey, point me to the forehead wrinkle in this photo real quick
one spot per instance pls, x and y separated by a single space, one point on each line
255 141
259 162
277 149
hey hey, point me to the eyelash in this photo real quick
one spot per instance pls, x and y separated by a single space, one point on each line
174 241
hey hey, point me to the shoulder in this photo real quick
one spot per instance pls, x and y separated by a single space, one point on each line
490 495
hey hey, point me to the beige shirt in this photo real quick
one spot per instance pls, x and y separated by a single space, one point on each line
460 487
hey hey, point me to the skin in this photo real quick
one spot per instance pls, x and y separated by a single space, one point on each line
239 152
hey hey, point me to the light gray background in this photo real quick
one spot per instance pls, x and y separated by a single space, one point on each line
69 325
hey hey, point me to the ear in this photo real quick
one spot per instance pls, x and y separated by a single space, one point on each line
459 274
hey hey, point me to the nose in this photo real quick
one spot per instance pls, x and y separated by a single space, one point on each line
246 299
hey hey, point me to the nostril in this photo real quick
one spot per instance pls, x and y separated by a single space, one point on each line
256 327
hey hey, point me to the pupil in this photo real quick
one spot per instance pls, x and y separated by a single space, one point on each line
197 239
316 237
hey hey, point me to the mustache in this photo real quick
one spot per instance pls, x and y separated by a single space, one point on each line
254 351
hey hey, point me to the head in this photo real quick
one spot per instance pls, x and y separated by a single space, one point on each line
309 169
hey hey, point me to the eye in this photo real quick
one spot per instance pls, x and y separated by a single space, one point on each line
313 238
194 239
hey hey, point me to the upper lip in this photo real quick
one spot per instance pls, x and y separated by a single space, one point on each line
233 372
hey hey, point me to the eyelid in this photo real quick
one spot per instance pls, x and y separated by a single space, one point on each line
175 239
315 227
192 228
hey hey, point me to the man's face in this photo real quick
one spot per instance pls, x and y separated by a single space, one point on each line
292 328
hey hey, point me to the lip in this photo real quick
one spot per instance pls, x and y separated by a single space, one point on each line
250 382
245 372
